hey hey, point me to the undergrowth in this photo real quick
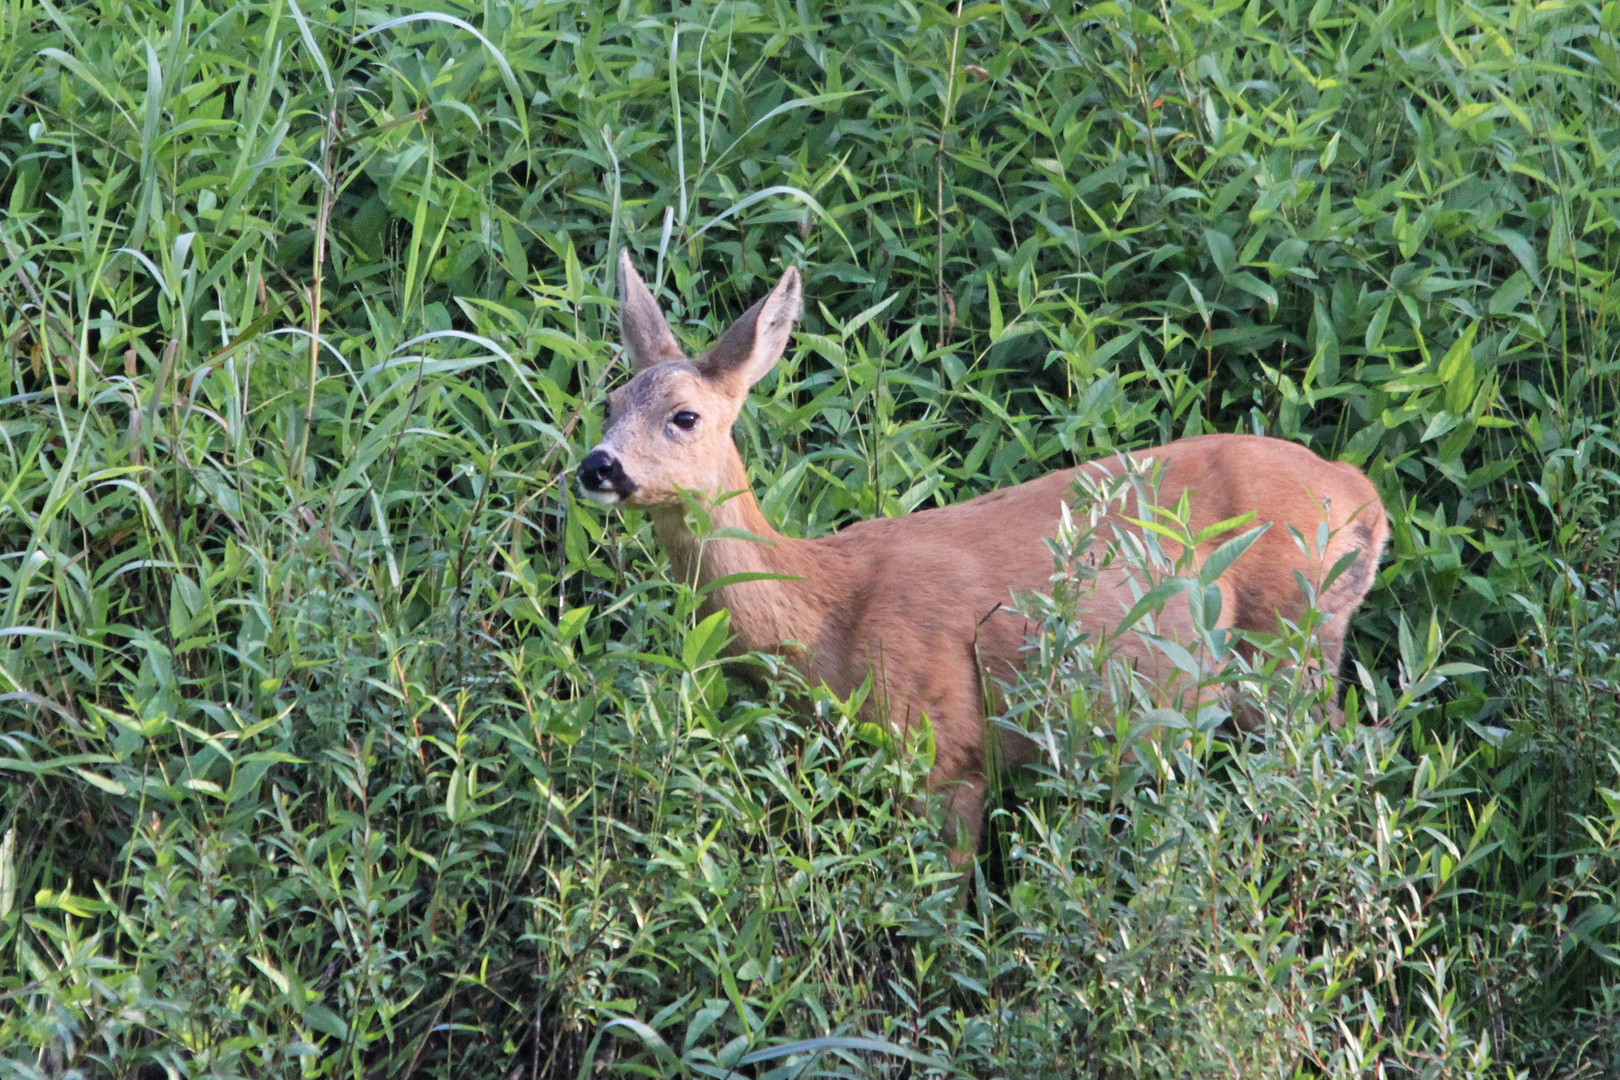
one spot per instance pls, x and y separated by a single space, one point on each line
338 739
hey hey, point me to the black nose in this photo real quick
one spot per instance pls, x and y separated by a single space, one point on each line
601 473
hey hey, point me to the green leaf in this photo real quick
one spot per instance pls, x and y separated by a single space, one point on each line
1221 251
743 577
1254 287
572 622
1152 601
705 640
1221 559
112 787
1521 249
736 532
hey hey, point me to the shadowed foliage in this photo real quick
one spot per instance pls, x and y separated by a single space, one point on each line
337 739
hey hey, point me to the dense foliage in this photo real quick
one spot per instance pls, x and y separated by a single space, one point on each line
337 739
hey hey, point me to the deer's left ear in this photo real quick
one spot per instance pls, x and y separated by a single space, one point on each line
756 341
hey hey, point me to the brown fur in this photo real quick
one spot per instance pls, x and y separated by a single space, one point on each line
906 599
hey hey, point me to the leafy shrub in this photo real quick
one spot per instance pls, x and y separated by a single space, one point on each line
338 740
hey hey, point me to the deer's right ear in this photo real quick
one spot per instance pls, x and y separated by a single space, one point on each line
643 330
756 341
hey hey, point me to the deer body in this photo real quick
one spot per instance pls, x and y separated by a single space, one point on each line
918 602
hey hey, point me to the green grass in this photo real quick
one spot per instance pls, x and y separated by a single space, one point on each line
337 739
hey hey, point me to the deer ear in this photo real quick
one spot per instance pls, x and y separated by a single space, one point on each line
756 341
643 330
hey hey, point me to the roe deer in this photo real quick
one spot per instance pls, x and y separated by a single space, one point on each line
913 601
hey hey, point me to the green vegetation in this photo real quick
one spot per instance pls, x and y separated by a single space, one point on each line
338 739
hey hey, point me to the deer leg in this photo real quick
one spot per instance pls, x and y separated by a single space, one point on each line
1331 638
964 819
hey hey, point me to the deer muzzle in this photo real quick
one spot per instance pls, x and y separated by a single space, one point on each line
602 479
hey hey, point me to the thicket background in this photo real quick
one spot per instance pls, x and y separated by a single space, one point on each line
337 739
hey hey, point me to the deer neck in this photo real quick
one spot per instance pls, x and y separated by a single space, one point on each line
764 613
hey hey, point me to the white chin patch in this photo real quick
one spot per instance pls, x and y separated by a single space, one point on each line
602 498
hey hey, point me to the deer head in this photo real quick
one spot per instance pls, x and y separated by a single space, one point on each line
669 428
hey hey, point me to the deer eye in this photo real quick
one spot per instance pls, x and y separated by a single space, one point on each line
685 420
